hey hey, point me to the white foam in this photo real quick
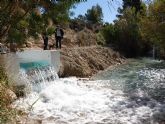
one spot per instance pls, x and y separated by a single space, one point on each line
78 102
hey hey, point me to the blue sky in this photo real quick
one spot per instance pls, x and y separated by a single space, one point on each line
109 10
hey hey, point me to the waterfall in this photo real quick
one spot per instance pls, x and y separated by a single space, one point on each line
43 74
36 78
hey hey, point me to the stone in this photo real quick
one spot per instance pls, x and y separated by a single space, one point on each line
9 94
29 44
24 46
19 90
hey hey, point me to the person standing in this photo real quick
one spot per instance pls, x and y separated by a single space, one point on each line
59 33
45 38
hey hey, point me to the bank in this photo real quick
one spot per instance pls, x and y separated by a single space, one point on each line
87 61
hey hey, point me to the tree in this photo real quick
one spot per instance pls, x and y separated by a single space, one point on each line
109 33
20 19
152 26
94 15
132 3
125 34
128 31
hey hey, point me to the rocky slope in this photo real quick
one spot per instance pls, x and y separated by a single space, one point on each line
86 61
71 39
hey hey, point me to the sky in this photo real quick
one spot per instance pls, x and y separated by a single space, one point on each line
109 8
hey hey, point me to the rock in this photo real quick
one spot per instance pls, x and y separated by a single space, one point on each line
11 95
8 94
19 90
24 46
29 44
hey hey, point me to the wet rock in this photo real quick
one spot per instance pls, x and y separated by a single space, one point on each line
19 90
159 117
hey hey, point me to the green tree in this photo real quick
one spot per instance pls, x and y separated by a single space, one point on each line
124 33
94 15
153 24
109 33
128 33
132 3
20 19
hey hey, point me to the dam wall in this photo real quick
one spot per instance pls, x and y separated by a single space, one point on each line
15 62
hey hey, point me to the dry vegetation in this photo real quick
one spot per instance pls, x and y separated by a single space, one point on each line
6 112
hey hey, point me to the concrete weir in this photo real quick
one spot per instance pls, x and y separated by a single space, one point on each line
14 62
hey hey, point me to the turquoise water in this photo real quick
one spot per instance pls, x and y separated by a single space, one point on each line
35 64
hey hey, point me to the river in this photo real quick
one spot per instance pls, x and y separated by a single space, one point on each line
132 93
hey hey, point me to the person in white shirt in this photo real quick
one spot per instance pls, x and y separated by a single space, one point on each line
59 33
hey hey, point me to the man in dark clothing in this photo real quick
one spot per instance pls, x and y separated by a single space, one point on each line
59 33
45 38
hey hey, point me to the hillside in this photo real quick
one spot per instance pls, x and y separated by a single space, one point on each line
71 39
86 61
80 54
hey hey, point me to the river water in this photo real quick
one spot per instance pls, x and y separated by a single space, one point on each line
132 93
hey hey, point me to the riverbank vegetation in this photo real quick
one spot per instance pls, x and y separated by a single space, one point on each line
6 112
138 28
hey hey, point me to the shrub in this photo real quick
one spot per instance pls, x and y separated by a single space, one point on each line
100 39
6 113
50 31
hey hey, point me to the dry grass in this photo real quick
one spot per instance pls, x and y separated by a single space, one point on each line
6 112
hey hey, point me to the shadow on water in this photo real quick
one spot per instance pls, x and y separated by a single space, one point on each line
143 82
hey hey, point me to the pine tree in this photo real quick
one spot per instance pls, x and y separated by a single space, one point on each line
94 15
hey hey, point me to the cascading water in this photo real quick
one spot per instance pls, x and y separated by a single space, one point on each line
38 77
44 74
125 95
